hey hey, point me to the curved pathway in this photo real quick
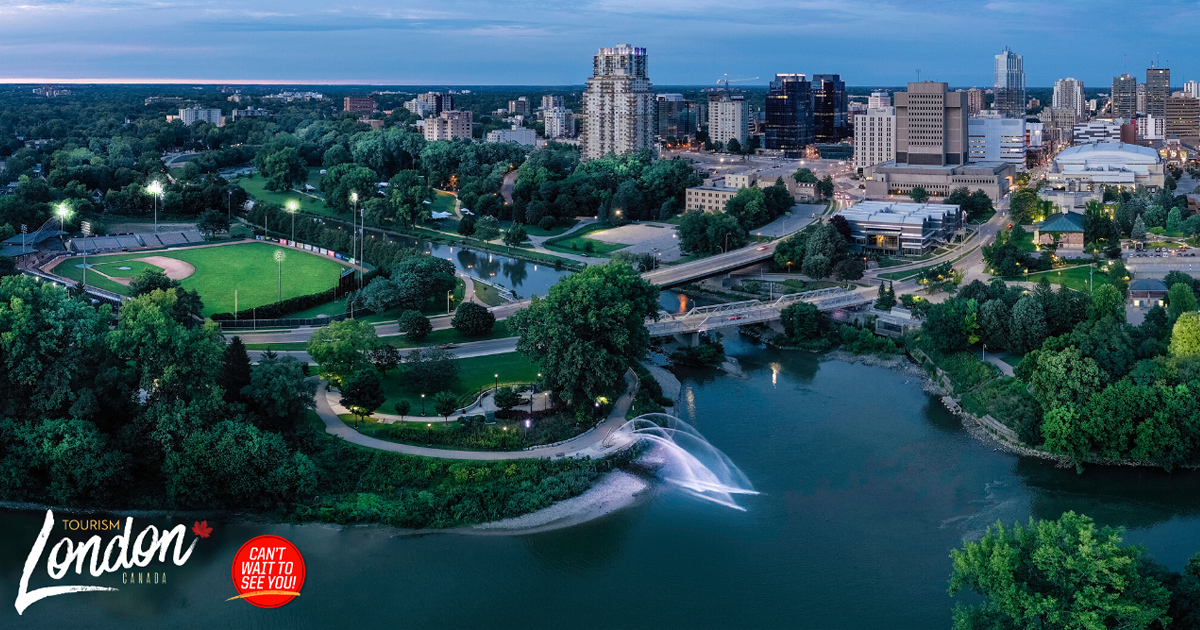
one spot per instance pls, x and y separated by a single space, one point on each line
590 444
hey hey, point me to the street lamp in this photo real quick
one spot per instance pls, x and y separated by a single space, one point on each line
497 381
422 404
292 207
279 263
155 188
448 293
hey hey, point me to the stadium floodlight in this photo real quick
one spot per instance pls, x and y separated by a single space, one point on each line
279 263
155 188
292 207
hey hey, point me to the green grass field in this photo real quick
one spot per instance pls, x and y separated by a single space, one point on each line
534 230
248 268
474 375
1074 278
577 242
257 187
443 202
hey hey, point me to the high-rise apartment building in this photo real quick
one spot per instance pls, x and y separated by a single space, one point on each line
1183 119
618 103
789 119
451 124
1124 96
519 107
975 100
1192 89
728 118
829 107
874 137
675 118
931 125
550 101
1009 85
560 122
198 114
1158 90
1068 94
358 104
436 102
878 99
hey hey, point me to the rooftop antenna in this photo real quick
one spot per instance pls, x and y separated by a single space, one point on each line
918 75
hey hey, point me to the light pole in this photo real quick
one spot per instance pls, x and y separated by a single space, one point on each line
279 263
353 237
497 383
422 404
292 207
229 206
155 188
448 301
983 355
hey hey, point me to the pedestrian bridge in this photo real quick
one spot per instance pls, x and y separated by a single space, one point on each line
704 318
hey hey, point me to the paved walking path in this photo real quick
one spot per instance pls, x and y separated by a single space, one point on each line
1005 368
590 444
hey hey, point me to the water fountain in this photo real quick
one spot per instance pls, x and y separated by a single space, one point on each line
685 459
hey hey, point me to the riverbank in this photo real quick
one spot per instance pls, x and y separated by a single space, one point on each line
614 491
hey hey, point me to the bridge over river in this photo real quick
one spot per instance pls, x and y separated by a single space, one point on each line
705 318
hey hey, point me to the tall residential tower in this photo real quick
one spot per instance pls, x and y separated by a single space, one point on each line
618 104
1010 85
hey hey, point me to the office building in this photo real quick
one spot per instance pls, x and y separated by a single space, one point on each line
520 135
1063 120
788 125
1068 94
829 110
449 125
358 104
519 107
889 227
1192 89
996 139
1158 90
708 198
1124 97
976 100
1009 85
932 149
560 122
874 137
250 112
1097 131
618 103
1141 98
550 101
674 118
728 118
198 114
1150 128
1182 119
878 99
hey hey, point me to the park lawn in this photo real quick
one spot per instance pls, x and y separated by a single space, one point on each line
576 242
248 268
1025 244
488 294
257 187
562 228
1073 278
443 202
474 375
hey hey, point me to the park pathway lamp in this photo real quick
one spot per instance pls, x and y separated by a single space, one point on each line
448 293
155 188
279 264
292 207
422 404
497 381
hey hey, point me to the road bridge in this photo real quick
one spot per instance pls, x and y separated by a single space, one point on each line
705 318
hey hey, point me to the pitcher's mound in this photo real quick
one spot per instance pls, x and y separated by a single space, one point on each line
174 268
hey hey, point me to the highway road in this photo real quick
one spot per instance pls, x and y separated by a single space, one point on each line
672 276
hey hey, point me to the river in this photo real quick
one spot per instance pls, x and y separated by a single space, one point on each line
867 484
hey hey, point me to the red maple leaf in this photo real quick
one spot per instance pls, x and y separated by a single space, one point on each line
202 529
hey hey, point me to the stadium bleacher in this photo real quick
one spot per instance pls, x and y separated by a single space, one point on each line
95 244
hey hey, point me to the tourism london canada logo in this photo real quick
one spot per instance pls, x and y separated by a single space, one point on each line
268 571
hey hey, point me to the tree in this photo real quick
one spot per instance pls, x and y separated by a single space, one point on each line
506 398
588 330
733 146
284 169
1107 301
515 235
408 198
418 328
825 187
886 299
340 348
212 222
235 370
8 266
403 407
444 403
919 194
1065 378
1180 299
1138 233
1023 207
279 391
1174 221
801 321
1056 574
816 266
342 181
994 319
1185 336
430 369
487 228
473 320
384 357
804 176
1028 328
466 226
849 269
362 393
950 324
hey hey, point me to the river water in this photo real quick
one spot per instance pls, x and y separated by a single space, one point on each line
867 484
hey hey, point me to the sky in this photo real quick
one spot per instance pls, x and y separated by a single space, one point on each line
550 42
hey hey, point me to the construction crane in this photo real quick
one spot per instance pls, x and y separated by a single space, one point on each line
726 80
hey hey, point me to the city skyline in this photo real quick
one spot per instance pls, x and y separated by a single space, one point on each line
468 42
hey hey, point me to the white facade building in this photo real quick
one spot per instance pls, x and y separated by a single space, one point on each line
449 125
1068 94
1097 131
520 135
995 139
196 114
618 104
420 108
728 118
1151 127
560 122
878 99
1192 89
1106 163
874 137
